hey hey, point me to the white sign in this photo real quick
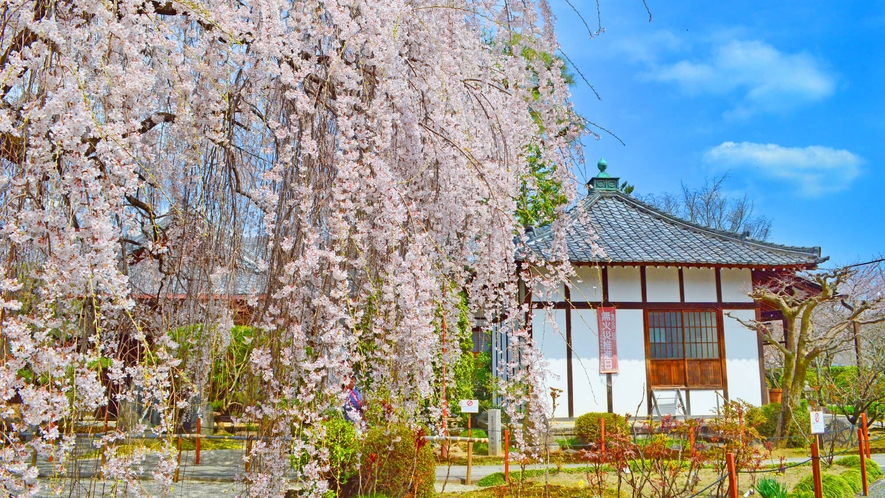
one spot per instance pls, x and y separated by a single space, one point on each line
469 406
817 423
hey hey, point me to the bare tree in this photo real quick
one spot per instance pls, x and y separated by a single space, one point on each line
857 389
819 313
710 207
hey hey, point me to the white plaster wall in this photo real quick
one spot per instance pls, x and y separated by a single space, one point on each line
741 358
706 403
548 332
736 285
590 391
587 284
624 284
699 285
541 294
662 284
628 386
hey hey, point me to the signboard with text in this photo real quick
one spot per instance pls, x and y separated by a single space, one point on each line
817 423
608 341
469 406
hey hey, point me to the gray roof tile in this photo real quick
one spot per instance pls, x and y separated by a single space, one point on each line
630 231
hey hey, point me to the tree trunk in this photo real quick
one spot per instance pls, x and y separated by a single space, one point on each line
793 381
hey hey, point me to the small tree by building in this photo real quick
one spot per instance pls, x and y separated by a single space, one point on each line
819 311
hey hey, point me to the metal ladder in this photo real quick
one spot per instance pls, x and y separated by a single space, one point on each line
668 402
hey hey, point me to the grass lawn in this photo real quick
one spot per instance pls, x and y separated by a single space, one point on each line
575 482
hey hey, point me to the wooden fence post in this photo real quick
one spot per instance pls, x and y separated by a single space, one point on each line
863 460
507 455
197 443
602 437
815 469
691 441
469 450
732 476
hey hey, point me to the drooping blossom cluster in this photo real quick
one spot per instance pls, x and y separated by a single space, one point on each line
333 173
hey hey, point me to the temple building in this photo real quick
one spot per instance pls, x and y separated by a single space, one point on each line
649 327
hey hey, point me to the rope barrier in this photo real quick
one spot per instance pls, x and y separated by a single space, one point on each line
715 483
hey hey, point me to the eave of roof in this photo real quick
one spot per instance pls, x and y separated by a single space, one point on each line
630 231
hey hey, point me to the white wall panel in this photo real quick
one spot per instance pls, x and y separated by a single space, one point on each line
590 391
624 284
736 285
587 285
541 294
628 386
699 285
706 403
741 358
548 332
662 284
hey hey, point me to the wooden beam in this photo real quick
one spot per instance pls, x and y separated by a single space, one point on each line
568 352
681 286
626 305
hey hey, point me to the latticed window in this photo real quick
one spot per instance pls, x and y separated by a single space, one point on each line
683 334
684 349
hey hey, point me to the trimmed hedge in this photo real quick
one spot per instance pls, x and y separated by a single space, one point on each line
874 472
833 486
854 479
587 426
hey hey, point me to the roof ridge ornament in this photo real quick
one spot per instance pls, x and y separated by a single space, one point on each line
603 181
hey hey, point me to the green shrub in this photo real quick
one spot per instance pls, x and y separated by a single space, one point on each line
833 486
494 479
587 426
764 420
854 479
396 461
874 472
771 488
801 494
341 443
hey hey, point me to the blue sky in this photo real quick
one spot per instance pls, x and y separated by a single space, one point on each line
785 96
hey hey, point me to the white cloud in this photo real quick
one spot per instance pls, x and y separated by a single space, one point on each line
766 79
814 170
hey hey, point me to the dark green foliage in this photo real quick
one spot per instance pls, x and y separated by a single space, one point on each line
874 472
833 486
464 370
396 461
341 443
587 426
540 192
231 384
771 488
764 420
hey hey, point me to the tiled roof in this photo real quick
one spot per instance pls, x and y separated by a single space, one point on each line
630 231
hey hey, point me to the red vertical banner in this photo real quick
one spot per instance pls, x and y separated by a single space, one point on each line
608 341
